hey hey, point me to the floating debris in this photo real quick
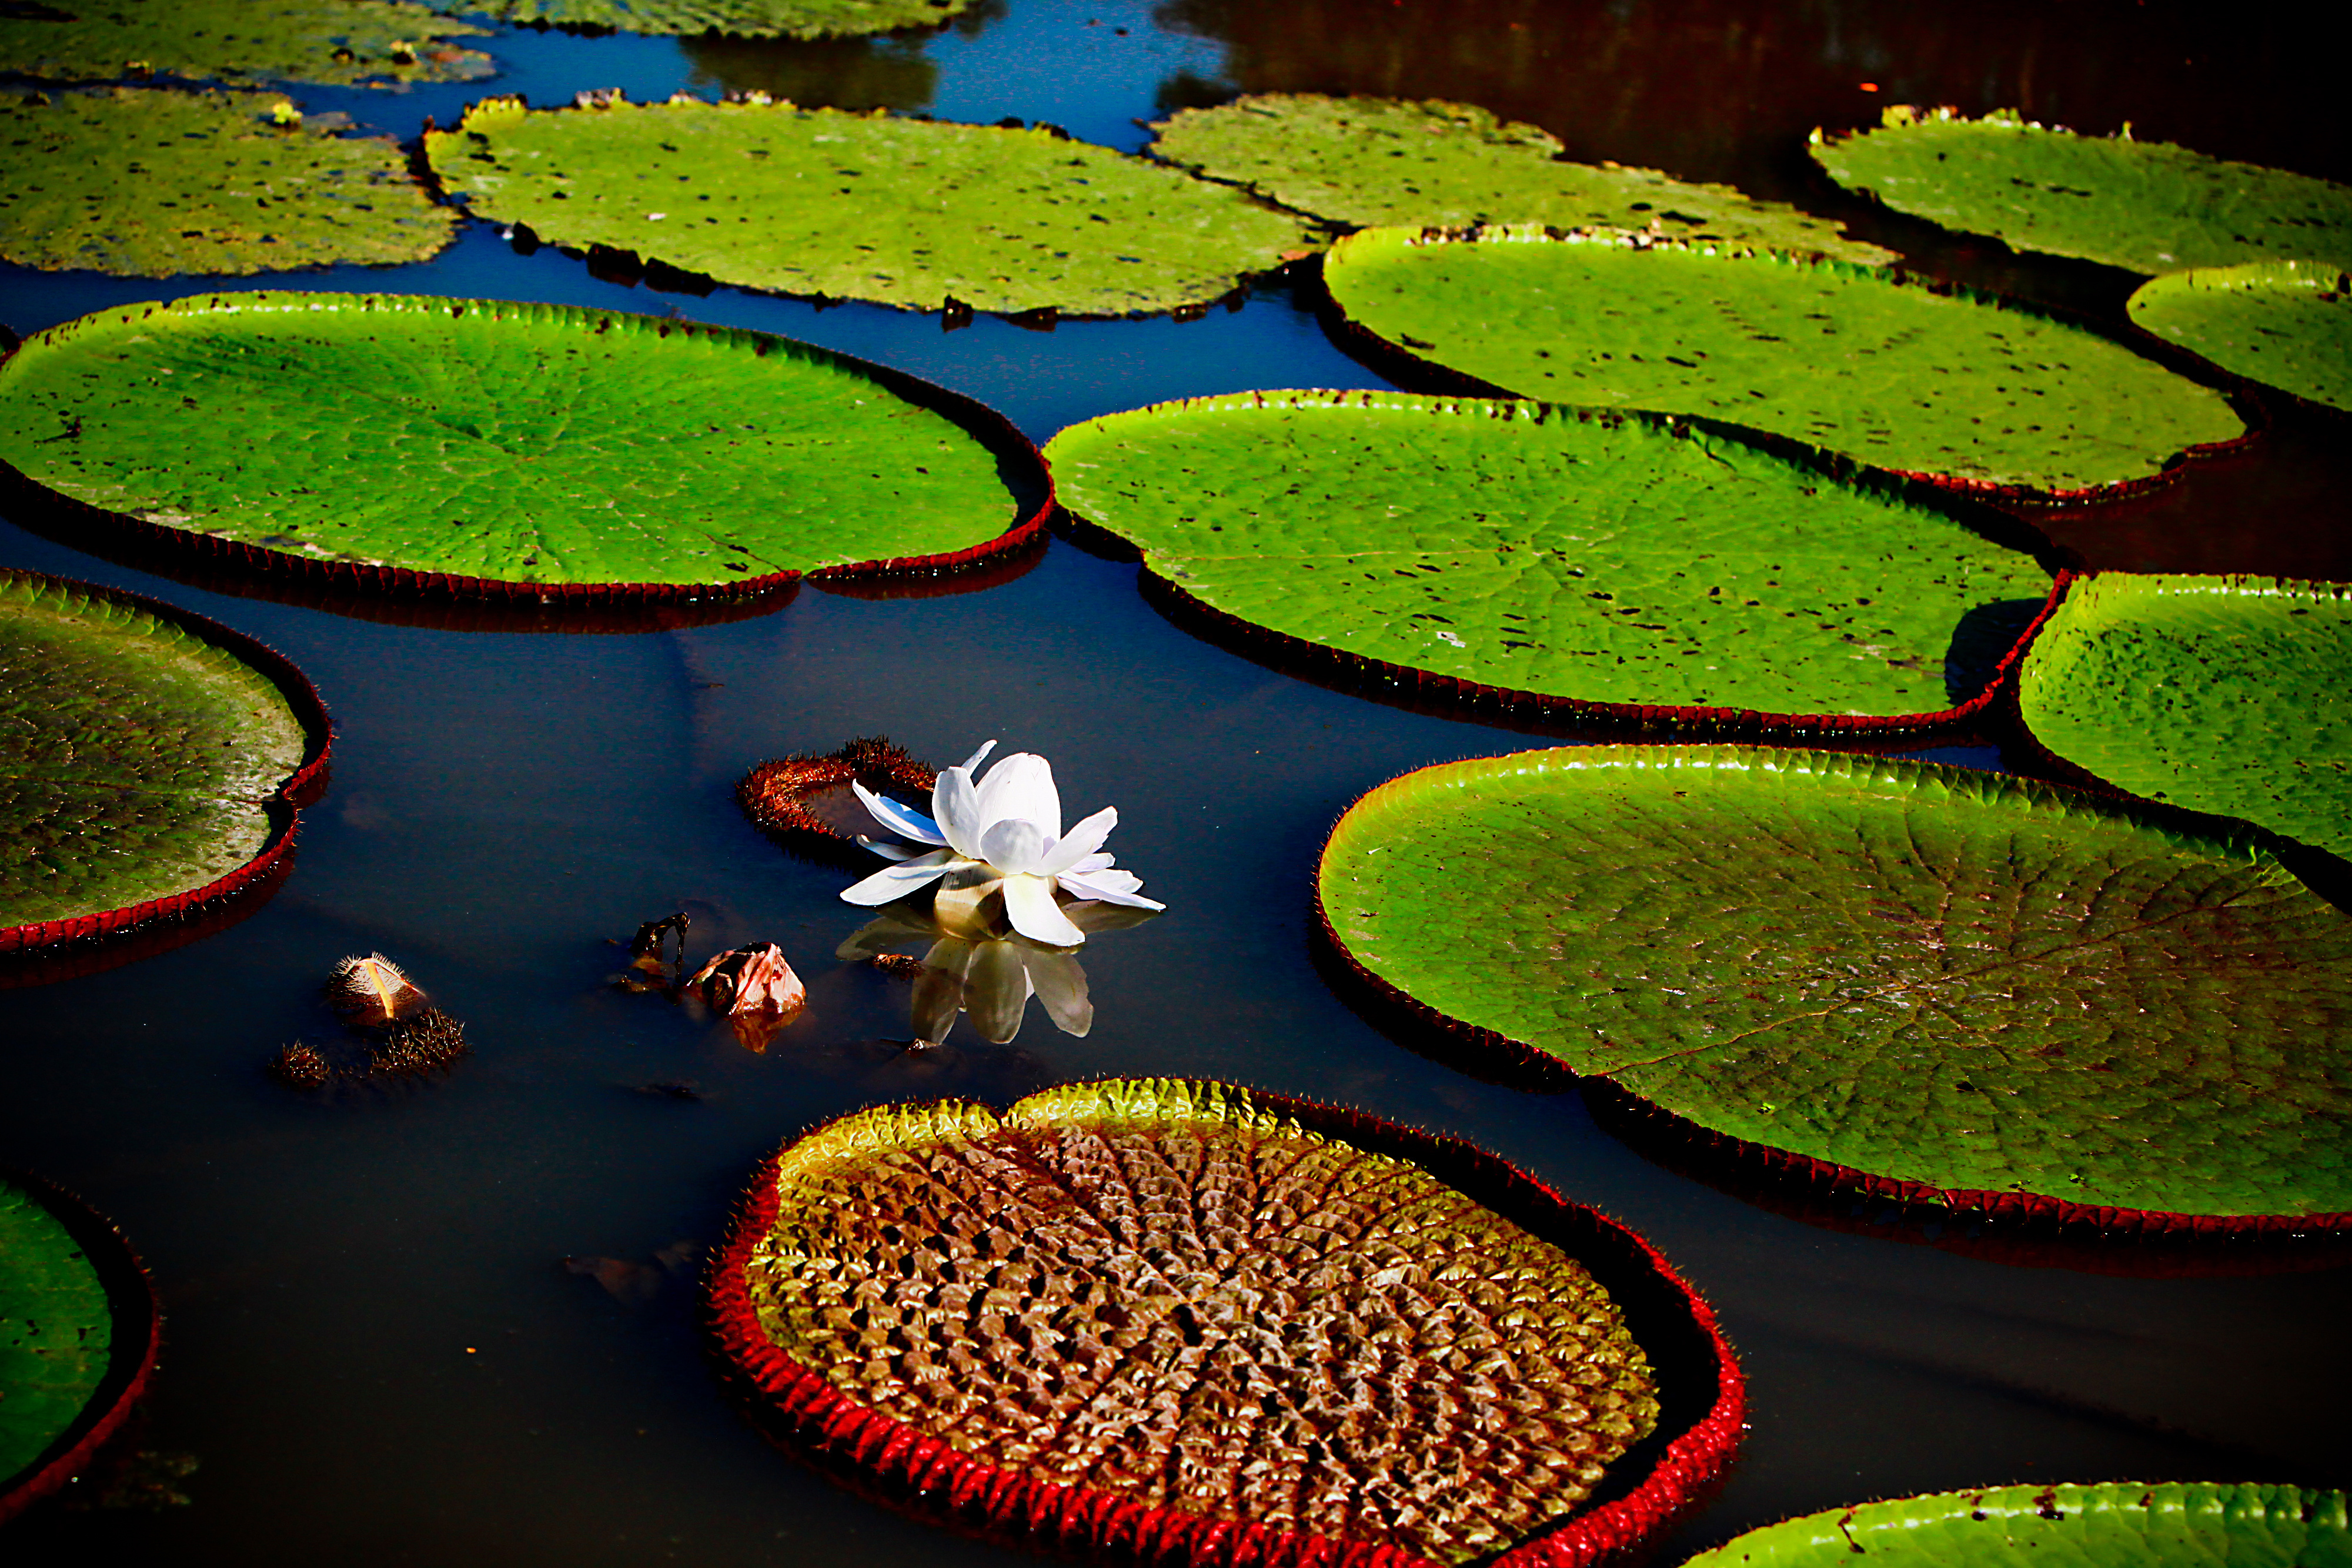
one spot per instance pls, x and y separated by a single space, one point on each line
372 990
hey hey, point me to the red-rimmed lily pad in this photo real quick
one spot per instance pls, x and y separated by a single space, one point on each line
151 760
2113 1524
484 449
78 1337
1932 381
1191 1322
1918 980
2286 324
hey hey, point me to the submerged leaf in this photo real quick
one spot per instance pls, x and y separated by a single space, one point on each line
1960 980
336 41
733 18
2286 324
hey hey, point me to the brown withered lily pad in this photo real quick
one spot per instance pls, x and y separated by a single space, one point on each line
1183 1320
805 800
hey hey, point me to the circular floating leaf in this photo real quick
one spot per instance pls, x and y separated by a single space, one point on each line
337 41
913 212
1378 160
146 758
736 18
150 183
1995 992
76 1337
2148 206
1895 373
2229 695
1590 562
2123 1524
1200 1320
510 449
2287 324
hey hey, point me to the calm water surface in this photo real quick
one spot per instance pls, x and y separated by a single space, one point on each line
375 1355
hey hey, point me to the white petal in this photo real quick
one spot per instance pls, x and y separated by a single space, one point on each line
1062 987
977 757
1085 863
888 851
891 928
955 805
1029 904
903 821
898 880
1021 785
1097 885
1080 841
996 990
1013 846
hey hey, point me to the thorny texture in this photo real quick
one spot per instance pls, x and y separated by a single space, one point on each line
1244 1322
775 794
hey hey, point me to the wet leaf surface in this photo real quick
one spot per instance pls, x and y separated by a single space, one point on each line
1168 1292
1954 978
733 18
56 1330
520 442
911 212
2228 694
1892 373
342 41
2286 324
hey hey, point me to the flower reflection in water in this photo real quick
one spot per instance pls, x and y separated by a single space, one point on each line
977 964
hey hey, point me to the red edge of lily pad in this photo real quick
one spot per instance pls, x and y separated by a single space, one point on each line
306 784
2245 397
307 576
896 1464
138 1340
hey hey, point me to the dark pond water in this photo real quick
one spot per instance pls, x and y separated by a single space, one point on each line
374 1353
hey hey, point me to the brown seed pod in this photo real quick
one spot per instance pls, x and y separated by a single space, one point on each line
301 1066
372 991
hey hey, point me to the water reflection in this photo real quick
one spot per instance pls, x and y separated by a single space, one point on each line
977 964
891 71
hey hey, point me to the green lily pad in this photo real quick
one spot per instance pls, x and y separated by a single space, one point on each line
2229 695
1899 375
1372 161
1594 559
1176 1312
145 183
2147 206
913 212
2127 1524
1966 982
142 756
736 18
506 443
2286 324
342 42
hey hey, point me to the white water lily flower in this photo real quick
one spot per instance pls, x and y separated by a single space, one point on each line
1003 831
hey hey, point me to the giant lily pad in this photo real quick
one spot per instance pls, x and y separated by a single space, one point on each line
2126 1524
148 184
1180 1318
2287 324
338 41
1974 987
1584 561
77 1338
1370 161
147 759
2149 206
1898 374
913 212
509 449
738 18
2229 695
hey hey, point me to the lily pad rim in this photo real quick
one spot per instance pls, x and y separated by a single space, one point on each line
1380 679
138 1317
1387 357
301 786
985 425
891 1460
2212 372
1763 1163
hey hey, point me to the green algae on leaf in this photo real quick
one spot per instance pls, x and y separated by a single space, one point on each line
1594 559
2120 1524
139 760
1210 1311
2286 324
1897 374
913 212
2146 206
1374 161
340 42
734 18
504 444
2226 694
1967 983
147 184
